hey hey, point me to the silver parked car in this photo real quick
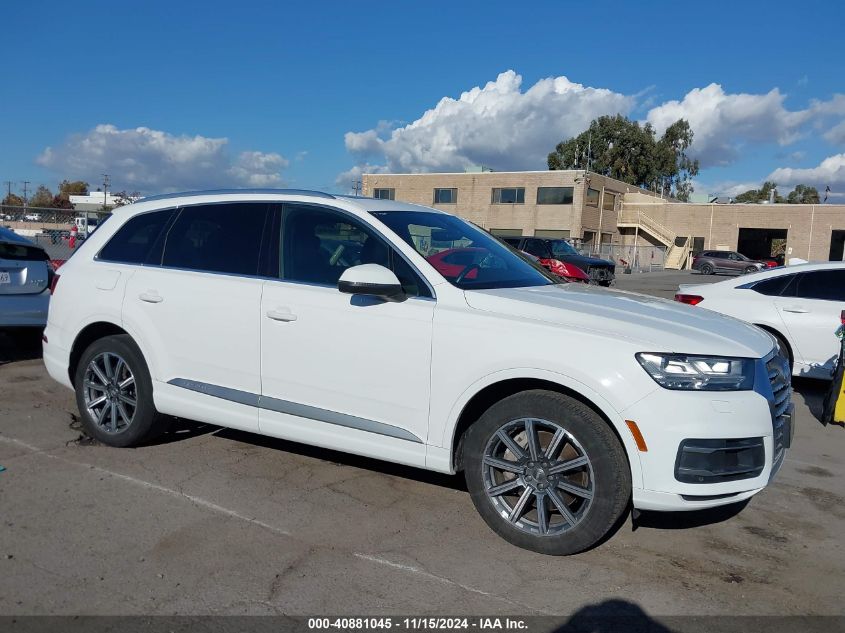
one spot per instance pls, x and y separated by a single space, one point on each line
25 278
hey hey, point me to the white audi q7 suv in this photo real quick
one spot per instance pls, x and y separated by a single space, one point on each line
403 333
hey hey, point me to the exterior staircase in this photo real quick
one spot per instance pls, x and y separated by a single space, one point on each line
677 249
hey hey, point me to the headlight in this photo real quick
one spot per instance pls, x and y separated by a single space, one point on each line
699 373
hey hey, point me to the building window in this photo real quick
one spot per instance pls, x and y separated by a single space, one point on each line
592 197
445 196
384 194
554 195
506 232
609 202
509 195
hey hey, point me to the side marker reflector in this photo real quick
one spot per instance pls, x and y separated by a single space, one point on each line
638 437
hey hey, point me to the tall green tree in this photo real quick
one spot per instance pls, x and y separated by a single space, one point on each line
762 194
73 188
12 200
803 194
630 152
42 197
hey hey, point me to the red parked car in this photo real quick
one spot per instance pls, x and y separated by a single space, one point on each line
568 272
454 261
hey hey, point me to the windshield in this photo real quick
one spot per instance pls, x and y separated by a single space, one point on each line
464 254
561 247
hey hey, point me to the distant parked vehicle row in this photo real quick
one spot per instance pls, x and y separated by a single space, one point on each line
730 262
599 271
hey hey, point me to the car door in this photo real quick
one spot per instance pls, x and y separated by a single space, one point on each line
196 311
339 370
811 307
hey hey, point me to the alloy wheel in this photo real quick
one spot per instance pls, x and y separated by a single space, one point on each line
110 392
538 476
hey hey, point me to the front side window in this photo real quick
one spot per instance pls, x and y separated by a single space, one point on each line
592 199
135 241
464 254
554 195
384 194
828 285
509 195
318 244
224 238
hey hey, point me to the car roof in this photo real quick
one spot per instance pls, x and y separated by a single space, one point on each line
8 236
361 203
768 273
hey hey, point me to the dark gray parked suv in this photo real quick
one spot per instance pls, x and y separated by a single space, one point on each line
731 262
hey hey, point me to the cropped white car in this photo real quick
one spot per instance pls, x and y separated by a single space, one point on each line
338 322
799 305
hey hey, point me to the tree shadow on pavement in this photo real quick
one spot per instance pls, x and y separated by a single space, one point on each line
611 616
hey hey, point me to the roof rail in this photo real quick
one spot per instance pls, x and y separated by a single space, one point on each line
213 192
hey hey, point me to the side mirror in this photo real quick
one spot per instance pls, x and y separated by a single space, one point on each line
372 280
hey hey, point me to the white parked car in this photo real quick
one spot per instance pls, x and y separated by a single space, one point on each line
338 322
799 305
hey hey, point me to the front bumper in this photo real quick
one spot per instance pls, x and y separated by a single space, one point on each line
601 274
669 420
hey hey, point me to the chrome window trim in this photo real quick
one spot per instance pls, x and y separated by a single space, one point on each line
296 409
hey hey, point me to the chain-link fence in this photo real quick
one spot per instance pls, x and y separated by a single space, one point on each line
638 259
59 231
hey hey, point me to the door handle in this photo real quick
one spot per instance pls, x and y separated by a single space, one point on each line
795 310
281 315
151 296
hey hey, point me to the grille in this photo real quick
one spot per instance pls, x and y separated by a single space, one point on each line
600 273
780 379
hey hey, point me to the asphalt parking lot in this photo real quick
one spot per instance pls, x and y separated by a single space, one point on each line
213 521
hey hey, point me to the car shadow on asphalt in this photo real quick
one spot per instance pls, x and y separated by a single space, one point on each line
812 391
454 482
688 519
19 344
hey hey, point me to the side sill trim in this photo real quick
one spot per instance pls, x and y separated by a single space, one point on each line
294 408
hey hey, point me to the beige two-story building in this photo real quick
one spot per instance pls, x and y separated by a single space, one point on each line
602 213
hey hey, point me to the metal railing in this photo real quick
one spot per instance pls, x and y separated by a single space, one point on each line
52 228
638 259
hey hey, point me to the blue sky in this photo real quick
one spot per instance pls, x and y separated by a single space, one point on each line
172 95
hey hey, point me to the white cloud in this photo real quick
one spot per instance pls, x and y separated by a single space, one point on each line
831 171
153 160
497 125
836 134
722 122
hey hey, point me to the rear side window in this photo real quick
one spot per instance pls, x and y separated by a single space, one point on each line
773 287
134 241
821 284
224 238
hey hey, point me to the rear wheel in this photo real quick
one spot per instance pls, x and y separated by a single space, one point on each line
707 269
114 393
547 473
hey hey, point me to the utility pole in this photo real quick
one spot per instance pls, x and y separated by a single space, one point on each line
356 187
106 184
8 184
25 183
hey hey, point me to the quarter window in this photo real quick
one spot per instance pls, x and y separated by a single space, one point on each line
773 287
445 196
223 238
509 195
384 194
554 195
134 242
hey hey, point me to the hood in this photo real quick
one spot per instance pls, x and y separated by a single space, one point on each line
583 260
657 325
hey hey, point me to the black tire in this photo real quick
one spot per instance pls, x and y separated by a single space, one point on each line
145 423
609 474
605 284
750 269
707 269
784 347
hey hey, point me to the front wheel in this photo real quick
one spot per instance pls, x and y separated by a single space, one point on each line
114 393
750 269
547 473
